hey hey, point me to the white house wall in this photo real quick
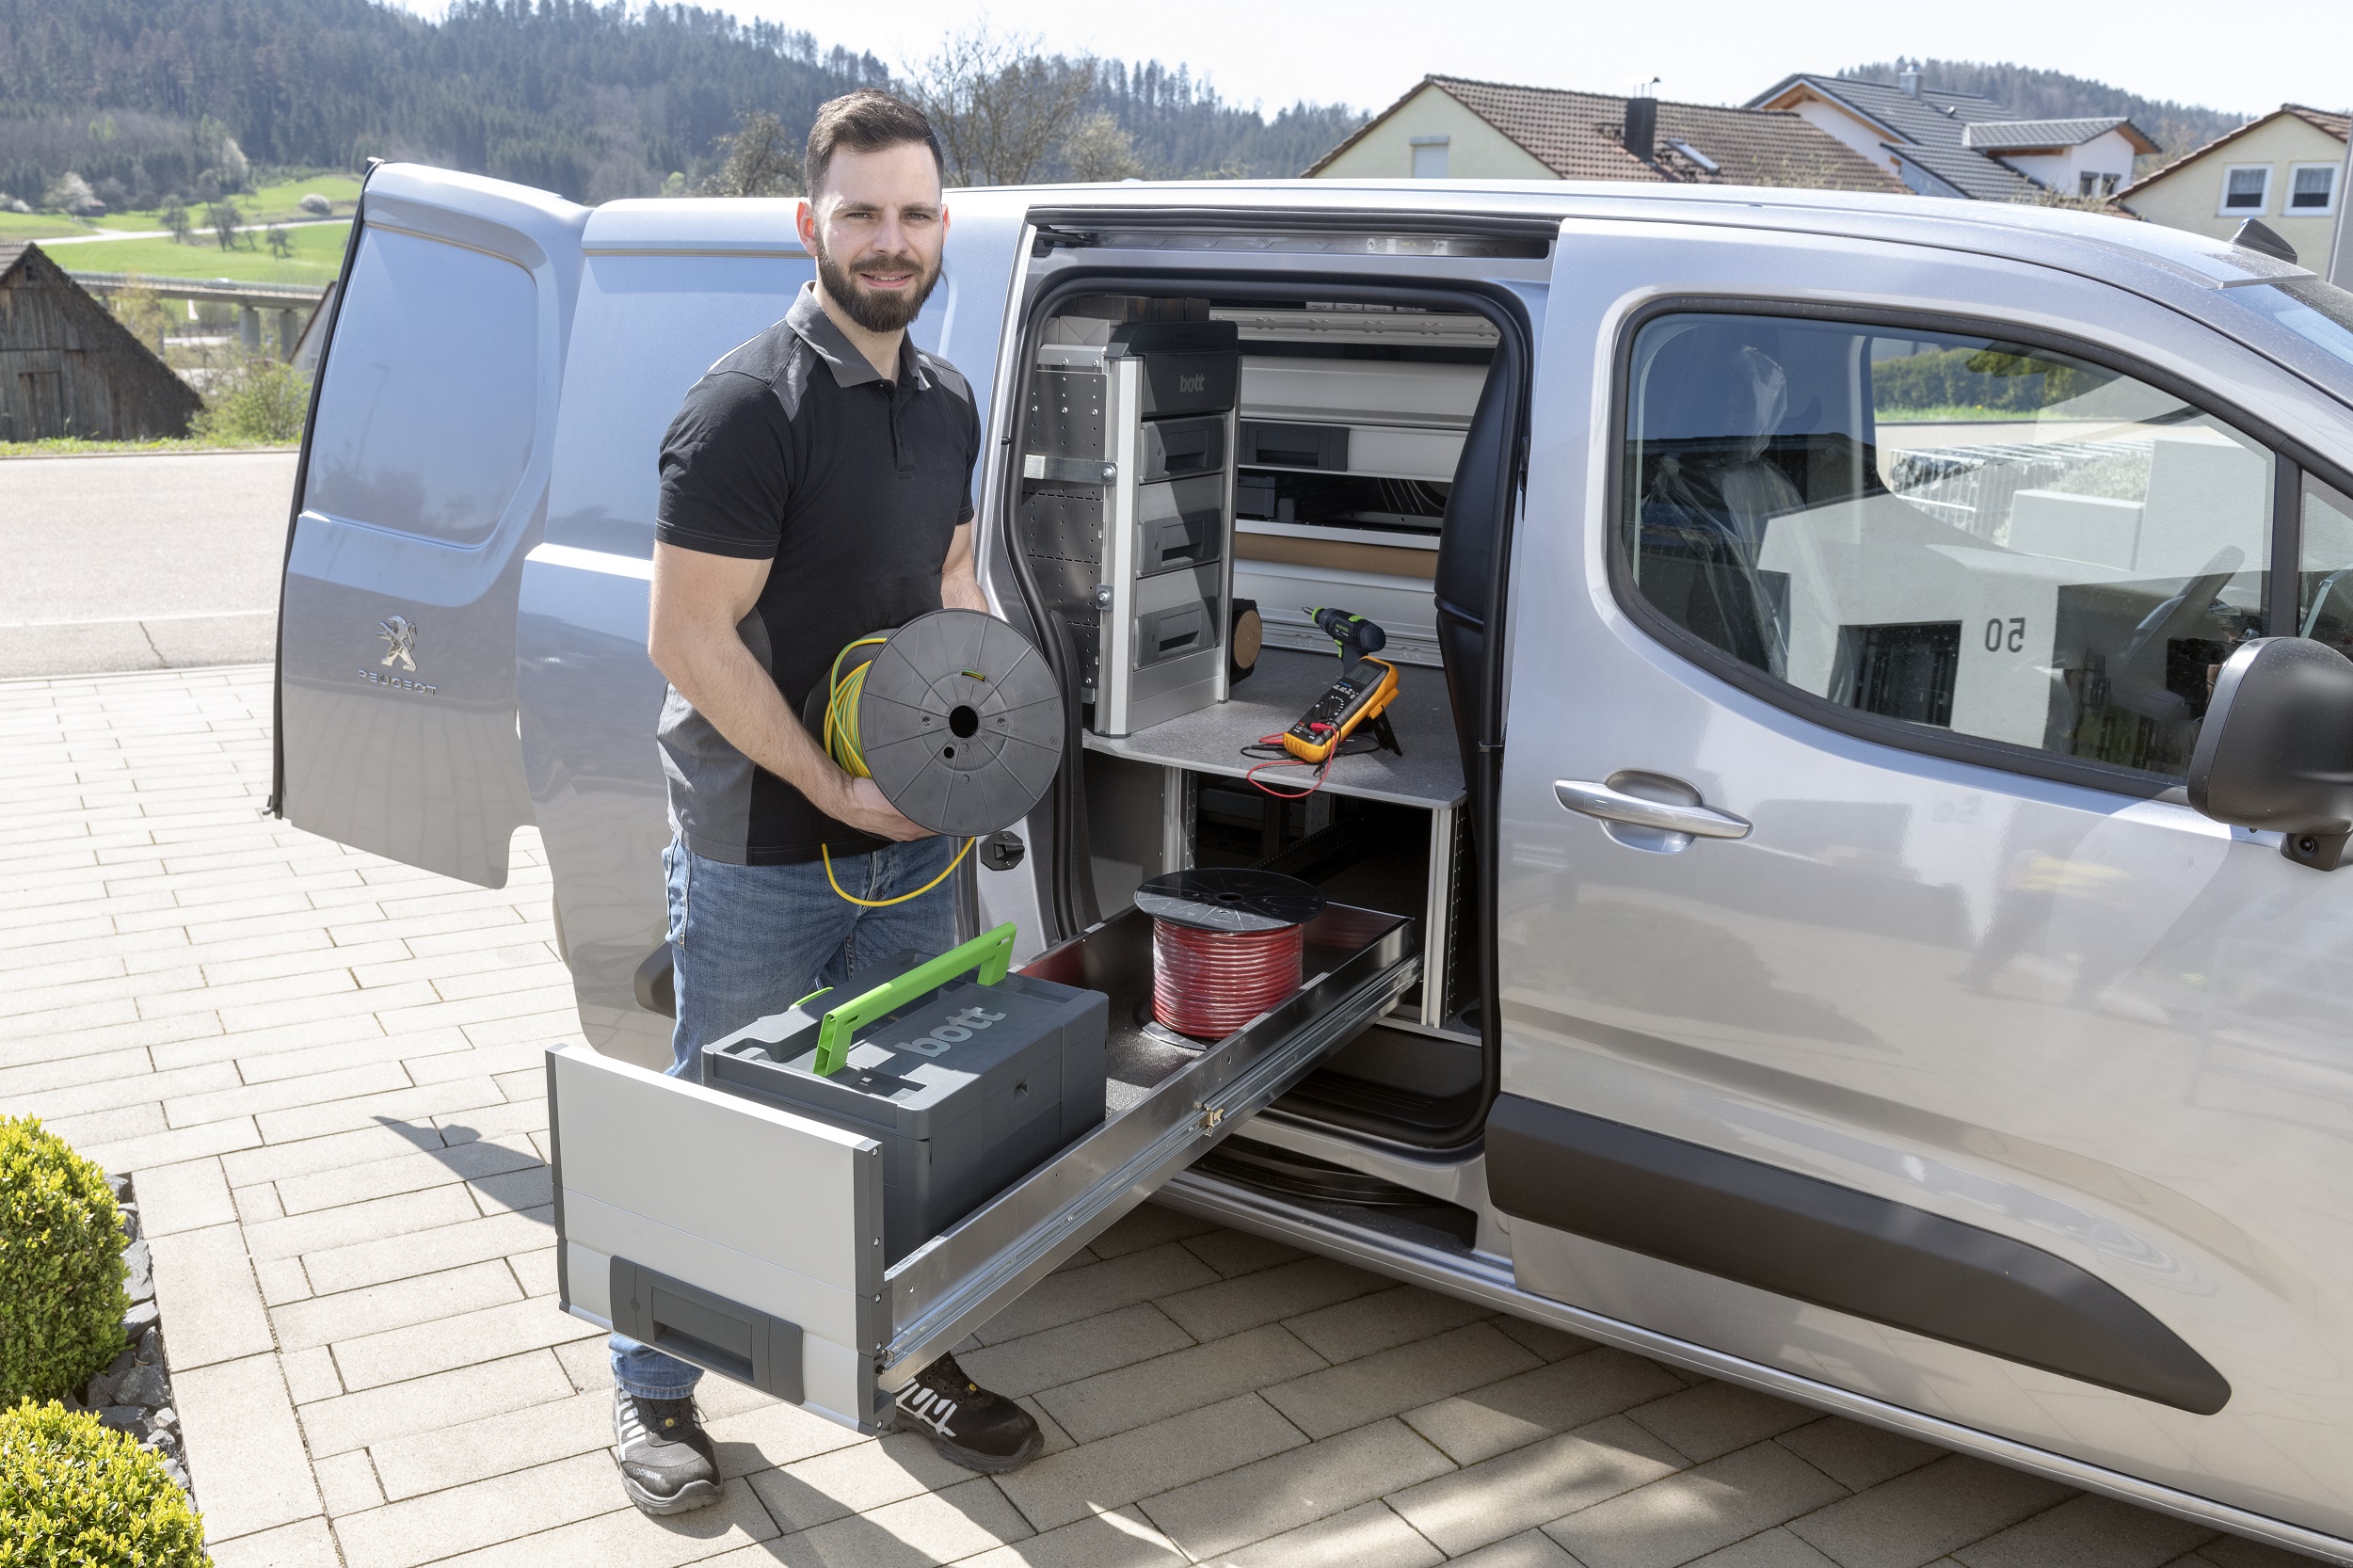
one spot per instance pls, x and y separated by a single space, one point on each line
1475 149
2189 196
1837 120
2108 155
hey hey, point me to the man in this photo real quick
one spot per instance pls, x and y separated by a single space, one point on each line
815 487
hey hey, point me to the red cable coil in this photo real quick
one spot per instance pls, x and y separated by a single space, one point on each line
1208 984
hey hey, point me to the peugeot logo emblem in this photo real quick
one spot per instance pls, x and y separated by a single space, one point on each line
401 633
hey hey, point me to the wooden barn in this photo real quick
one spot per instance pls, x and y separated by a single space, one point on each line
68 368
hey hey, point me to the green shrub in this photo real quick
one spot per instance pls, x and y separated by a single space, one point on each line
260 403
77 1494
62 1297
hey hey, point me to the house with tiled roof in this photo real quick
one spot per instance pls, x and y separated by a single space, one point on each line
1962 144
2285 169
1451 127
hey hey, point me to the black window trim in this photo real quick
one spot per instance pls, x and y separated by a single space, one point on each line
2290 461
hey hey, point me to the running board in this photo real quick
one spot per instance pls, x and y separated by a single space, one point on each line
1383 1241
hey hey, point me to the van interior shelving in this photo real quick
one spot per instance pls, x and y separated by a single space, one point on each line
1348 425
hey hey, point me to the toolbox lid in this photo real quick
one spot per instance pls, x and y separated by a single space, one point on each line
910 1068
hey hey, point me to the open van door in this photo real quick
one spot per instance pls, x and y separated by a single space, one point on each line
423 482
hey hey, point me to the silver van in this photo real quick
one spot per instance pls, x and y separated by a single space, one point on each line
1793 942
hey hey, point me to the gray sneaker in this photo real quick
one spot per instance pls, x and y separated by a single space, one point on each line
667 1462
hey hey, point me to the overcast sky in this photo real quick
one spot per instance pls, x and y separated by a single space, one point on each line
2238 58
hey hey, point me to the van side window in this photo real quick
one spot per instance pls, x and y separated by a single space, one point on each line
431 397
2326 610
1954 532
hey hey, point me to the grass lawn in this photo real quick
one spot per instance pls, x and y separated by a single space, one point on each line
68 446
281 201
38 226
318 253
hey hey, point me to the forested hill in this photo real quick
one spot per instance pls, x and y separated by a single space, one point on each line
594 102
2033 95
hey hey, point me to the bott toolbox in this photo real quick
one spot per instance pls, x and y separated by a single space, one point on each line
968 1075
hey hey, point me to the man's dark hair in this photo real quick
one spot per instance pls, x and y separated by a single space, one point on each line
866 120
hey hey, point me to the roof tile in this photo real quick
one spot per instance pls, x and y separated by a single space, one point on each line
1995 135
1579 137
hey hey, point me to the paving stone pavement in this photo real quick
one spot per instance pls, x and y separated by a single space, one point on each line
325 1070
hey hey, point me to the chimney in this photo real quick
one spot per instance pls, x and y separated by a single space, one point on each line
1641 127
1909 80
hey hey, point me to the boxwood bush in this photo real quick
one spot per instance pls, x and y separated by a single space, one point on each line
77 1494
62 1297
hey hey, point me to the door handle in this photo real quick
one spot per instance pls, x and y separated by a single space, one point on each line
1600 800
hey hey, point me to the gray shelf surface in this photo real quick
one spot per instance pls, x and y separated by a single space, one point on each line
1428 776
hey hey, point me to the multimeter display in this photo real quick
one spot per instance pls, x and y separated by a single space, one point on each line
1340 708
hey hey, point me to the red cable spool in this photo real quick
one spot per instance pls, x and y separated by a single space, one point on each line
1226 945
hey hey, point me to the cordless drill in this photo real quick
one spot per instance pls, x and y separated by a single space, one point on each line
1356 635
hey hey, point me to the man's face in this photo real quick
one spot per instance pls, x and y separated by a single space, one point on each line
876 230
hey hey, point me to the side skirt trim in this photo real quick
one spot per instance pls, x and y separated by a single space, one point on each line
1853 1252
1484 1278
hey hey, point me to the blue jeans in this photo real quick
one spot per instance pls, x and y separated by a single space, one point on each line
752 940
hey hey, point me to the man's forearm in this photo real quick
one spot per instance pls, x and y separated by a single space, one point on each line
718 674
962 591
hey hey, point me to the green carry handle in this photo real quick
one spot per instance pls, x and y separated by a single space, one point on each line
991 952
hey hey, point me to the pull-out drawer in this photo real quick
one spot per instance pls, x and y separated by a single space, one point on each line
749 1241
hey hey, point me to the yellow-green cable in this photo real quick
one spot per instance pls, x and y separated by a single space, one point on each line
841 744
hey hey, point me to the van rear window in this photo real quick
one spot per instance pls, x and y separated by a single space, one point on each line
425 418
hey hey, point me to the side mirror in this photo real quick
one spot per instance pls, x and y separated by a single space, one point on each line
2277 748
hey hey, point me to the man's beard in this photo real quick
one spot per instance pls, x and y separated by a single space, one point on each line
876 312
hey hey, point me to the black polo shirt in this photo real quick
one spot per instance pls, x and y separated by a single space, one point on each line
792 448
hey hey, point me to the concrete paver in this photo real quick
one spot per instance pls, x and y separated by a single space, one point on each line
324 1070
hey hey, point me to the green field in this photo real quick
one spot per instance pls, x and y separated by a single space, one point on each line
280 202
68 446
38 226
318 253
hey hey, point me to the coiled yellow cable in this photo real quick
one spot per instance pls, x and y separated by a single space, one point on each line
841 744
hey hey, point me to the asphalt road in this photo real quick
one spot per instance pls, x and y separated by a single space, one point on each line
161 561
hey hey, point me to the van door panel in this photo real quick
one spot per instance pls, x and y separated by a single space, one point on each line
666 288
656 308
1802 996
425 480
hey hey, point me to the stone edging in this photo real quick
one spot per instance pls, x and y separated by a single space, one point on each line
133 1393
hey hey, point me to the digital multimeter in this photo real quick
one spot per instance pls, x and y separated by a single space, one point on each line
1355 698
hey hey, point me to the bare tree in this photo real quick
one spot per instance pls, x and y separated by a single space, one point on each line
174 217
1001 108
762 159
281 243
222 219
1100 148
